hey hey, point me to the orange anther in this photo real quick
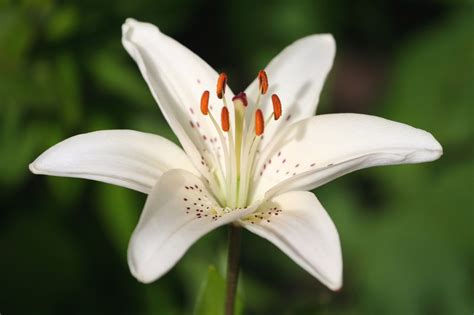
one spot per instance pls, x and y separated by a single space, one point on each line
259 124
221 83
205 103
276 106
225 119
262 81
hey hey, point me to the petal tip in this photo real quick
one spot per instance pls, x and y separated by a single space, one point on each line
33 168
438 149
141 273
335 285
329 38
130 21
131 24
333 277
141 277
44 164
128 24
325 39
330 42
431 152
338 289
38 166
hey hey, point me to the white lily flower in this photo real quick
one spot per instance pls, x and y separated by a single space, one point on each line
236 166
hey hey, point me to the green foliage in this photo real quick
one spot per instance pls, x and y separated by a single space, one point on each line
433 82
118 212
212 295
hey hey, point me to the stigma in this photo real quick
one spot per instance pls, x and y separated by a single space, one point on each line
242 98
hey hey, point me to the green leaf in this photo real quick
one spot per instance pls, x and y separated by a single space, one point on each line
212 295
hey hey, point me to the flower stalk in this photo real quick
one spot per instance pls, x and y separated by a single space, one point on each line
232 268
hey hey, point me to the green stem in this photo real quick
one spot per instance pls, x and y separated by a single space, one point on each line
232 268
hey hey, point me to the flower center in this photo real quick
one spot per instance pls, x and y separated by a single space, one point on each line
240 140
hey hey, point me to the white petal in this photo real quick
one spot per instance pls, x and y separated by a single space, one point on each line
297 76
296 223
314 151
178 212
177 78
126 158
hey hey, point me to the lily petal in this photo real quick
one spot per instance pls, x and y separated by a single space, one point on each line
317 150
177 78
125 158
296 223
179 210
297 75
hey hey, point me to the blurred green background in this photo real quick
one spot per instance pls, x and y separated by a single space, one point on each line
406 231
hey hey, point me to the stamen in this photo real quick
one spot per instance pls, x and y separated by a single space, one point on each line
205 103
221 84
225 119
262 81
276 106
259 123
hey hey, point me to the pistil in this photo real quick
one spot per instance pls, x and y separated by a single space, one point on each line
240 103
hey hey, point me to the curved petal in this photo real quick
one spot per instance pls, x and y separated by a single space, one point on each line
314 151
177 213
125 158
177 78
297 75
296 223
